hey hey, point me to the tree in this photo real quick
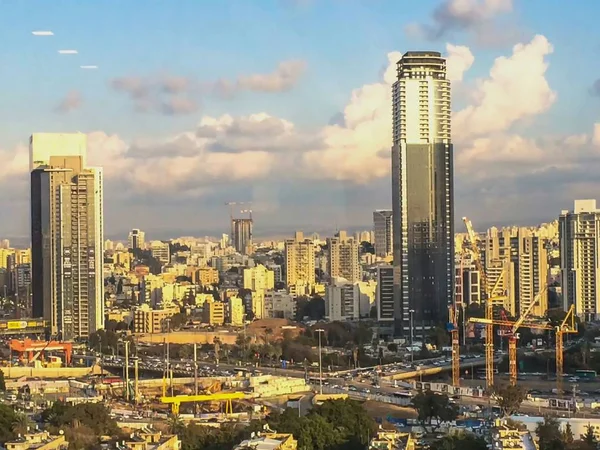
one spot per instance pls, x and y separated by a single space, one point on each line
589 437
96 416
7 418
509 398
567 435
175 424
549 435
460 441
439 337
2 382
392 347
21 424
432 405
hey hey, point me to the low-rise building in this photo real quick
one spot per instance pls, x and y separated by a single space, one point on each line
392 440
269 441
148 320
149 439
38 440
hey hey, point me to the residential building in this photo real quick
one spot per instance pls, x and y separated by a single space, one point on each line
532 275
384 295
277 272
149 439
467 285
382 228
161 252
66 235
136 239
279 305
299 261
241 233
37 440
268 441
340 302
235 311
392 440
148 320
579 237
151 290
204 276
422 192
259 278
214 313
342 258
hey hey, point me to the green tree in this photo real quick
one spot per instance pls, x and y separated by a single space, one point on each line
509 398
460 441
549 435
392 347
567 435
434 406
589 437
21 424
96 416
7 419
175 424
2 382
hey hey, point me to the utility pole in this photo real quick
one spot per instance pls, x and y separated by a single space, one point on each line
127 370
136 361
320 330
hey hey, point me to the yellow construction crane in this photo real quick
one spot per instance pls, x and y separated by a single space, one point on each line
176 400
489 303
568 326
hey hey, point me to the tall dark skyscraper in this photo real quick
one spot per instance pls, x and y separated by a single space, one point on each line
66 235
422 192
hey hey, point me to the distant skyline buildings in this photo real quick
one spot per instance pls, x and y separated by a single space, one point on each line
67 235
136 239
383 232
422 191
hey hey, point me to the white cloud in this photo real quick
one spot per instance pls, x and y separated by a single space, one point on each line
459 60
516 89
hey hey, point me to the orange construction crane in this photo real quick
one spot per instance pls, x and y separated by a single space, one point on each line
568 326
30 350
489 303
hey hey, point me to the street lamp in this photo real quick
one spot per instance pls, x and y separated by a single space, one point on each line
412 311
319 331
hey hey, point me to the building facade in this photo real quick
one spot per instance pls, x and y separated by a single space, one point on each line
342 258
241 235
299 262
422 192
136 239
579 236
382 229
384 294
66 235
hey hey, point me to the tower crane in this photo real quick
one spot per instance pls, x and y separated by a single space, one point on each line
453 325
489 303
567 326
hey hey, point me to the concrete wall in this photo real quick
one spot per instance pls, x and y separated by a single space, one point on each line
188 337
44 372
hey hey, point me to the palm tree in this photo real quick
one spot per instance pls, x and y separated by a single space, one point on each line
21 424
175 424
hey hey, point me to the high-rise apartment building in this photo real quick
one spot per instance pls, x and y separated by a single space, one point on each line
66 235
382 228
241 235
342 258
579 235
422 192
259 278
299 262
136 239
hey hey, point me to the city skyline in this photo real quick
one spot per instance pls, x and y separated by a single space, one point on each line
246 132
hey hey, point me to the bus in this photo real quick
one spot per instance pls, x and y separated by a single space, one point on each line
586 374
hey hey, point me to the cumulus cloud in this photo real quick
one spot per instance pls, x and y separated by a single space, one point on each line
285 76
72 101
474 16
516 89
178 95
459 60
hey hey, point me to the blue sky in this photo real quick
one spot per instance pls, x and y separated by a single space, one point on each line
343 44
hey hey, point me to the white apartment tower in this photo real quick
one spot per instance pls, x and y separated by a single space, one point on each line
342 258
422 192
579 234
67 235
382 229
